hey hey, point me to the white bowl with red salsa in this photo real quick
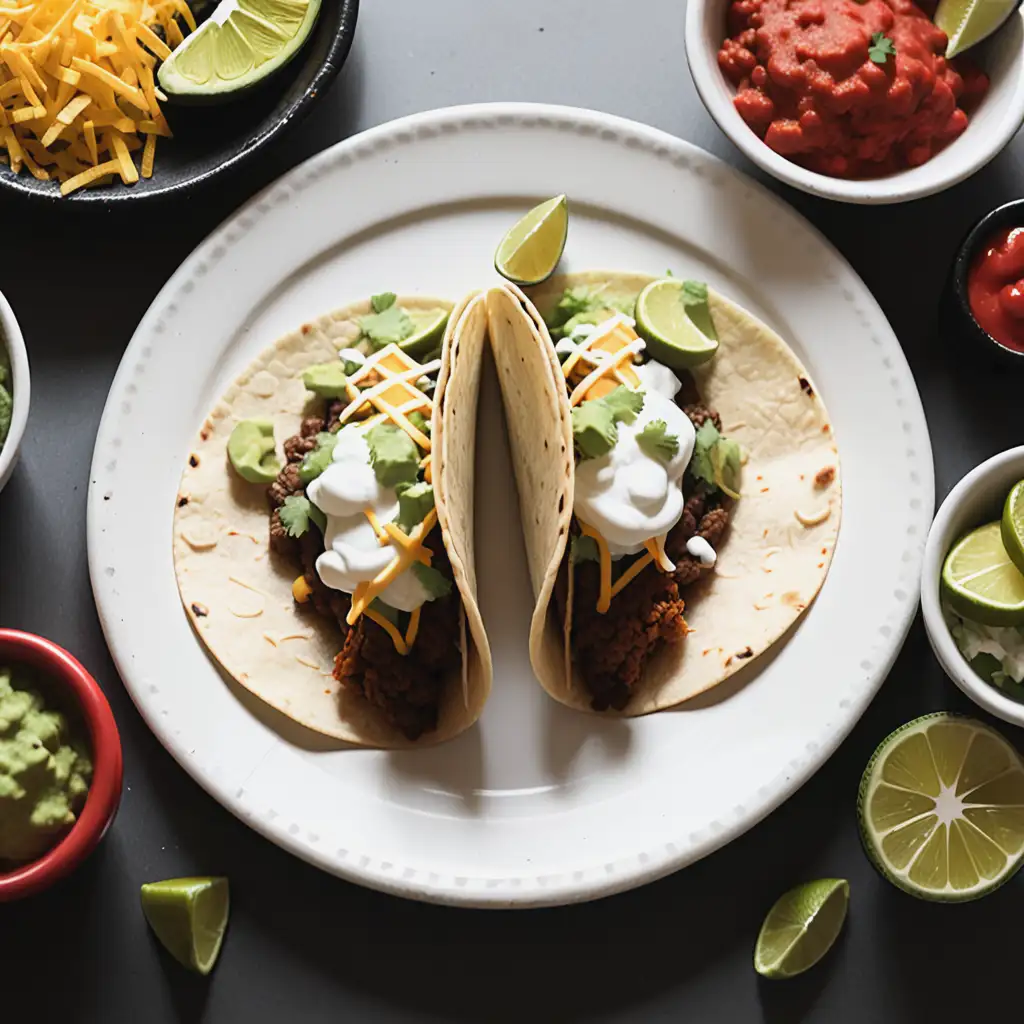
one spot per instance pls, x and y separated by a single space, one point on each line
855 101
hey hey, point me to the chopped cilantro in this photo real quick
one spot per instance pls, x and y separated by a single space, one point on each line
420 422
297 513
388 323
385 300
881 48
656 443
583 305
695 301
316 461
393 615
716 460
624 403
393 455
594 422
434 583
414 502
583 549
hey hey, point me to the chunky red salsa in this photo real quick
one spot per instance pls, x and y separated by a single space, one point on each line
848 89
995 288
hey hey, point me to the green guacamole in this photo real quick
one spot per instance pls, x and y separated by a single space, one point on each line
44 772
6 397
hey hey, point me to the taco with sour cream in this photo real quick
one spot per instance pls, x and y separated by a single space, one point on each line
679 518
323 529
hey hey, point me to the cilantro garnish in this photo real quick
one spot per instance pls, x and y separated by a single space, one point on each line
881 48
414 502
694 296
393 455
594 422
297 513
583 305
716 460
388 323
420 422
434 583
316 461
657 443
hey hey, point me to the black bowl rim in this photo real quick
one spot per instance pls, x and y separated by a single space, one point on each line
324 76
1001 216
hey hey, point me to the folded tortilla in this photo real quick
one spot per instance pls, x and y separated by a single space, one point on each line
783 530
237 593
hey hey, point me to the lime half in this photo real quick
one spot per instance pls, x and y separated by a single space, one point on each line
239 45
981 582
941 808
529 253
189 916
801 928
967 22
1012 526
668 313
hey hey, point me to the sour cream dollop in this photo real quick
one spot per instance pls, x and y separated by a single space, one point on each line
353 554
627 495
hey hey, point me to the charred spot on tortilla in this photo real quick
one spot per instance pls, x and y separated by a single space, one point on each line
805 387
193 460
747 652
306 328
824 477
182 500
199 610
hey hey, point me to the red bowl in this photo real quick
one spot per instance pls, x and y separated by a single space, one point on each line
60 669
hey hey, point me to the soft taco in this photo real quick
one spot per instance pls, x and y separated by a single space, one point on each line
323 529
678 519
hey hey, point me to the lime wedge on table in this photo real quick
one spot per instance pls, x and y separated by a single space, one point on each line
240 44
981 582
941 808
529 253
428 330
189 916
967 22
1012 526
801 928
672 316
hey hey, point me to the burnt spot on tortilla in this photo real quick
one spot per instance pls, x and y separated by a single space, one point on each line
204 434
200 611
747 652
561 502
821 565
764 490
805 387
824 477
182 500
306 328
825 429
728 661
193 460
545 444
792 598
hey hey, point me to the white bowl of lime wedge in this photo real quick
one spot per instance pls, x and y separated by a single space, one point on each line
978 499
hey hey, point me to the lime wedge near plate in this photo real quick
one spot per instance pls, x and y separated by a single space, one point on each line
968 22
1012 525
530 251
673 317
801 928
189 916
941 808
980 580
428 330
238 46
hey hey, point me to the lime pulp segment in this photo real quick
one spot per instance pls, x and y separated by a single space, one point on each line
530 251
801 927
941 808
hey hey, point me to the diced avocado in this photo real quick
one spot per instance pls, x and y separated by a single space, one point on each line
328 380
251 451
393 455
414 502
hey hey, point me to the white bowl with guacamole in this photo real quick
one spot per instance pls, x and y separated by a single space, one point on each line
14 390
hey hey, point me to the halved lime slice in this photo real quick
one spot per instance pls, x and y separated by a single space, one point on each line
189 916
529 253
672 316
981 582
239 45
1012 525
801 928
968 22
941 808
428 330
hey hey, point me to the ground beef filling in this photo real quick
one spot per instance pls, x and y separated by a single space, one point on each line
612 650
407 688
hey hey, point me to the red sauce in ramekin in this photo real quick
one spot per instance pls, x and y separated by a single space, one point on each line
995 287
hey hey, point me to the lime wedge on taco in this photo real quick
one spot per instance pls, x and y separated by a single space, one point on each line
673 317
241 44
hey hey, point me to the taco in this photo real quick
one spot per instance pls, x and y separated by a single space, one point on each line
677 521
323 529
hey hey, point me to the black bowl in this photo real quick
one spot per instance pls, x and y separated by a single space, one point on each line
211 140
1009 215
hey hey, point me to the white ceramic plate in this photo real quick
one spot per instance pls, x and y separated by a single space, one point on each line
537 804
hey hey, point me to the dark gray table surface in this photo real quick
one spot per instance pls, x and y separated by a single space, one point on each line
304 946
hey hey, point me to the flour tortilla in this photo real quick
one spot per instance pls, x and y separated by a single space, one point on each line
237 593
775 556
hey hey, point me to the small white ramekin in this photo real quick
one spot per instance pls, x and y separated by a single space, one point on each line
11 339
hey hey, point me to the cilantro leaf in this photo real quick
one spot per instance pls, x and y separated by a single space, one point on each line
385 300
701 465
297 512
393 455
716 460
420 422
694 297
393 615
656 443
434 583
624 403
881 48
316 461
583 305
583 549
388 323
594 422
414 502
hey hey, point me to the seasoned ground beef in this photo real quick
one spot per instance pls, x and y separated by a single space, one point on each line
407 688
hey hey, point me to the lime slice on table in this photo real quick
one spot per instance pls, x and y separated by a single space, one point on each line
981 582
801 928
672 316
1012 525
941 808
189 916
967 22
239 45
428 330
530 251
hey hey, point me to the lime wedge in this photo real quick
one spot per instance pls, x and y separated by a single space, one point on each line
941 808
981 582
801 928
1012 525
428 330
189 916
239 45
672 316
968 22
529 253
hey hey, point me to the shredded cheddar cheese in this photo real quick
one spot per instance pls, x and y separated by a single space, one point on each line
77 89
